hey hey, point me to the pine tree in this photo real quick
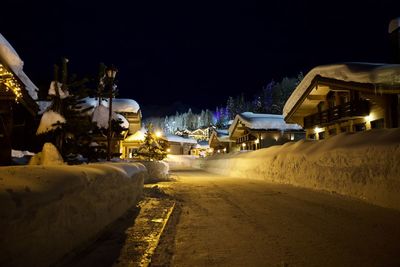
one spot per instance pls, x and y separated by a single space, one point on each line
151 149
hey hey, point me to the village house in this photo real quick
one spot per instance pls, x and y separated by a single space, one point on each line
220 142
178 145
252 131
17 106
348 97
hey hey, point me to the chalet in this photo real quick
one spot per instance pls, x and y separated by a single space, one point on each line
199 134
17 105
346 97
220 142
252 131
178 145
202 149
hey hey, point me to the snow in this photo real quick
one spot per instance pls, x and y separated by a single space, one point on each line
262 121
52 90
101 114
21 154
372 73
157 170
48 156
48 119
47 211
394 24
124 123
179 139
180 161
364 165
118 104
43 106
14 62
138 136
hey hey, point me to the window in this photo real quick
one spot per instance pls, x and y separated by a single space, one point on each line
360 127
378 124
321 135
311 136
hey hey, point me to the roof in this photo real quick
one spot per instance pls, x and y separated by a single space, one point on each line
11 59
179 139
394 24
382 76
260 121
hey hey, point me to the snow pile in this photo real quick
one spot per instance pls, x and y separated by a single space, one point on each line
157 170
52 90
48 121
47 211
14 62
124 121
48 156
378 74
262 121
363 165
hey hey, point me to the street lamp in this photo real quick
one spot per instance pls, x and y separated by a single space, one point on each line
110 73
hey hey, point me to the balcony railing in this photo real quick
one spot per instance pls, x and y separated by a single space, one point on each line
348 110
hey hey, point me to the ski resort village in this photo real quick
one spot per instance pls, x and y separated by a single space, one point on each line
206 138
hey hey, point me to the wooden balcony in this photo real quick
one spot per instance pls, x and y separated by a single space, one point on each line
342 112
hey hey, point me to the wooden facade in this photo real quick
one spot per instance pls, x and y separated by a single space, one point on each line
330 106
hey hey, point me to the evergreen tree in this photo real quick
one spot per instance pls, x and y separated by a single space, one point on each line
151 149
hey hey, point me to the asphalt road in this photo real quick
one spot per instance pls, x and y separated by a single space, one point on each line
225 221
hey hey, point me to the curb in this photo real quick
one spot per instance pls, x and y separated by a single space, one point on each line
143 237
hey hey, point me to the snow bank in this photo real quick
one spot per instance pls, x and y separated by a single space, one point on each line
157 170
48 156
46 211
363 165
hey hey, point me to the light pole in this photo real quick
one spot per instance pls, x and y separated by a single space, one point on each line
110 72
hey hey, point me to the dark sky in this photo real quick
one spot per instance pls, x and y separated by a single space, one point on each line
194 52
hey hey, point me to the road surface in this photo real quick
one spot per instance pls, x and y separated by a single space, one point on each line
226 221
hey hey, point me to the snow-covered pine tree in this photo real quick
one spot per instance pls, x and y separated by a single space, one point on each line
151 149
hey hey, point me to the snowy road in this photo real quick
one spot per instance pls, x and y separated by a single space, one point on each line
235 222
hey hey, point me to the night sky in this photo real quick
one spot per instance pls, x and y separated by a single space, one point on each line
194 53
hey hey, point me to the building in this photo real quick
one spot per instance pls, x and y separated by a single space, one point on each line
199 134
348 97
17 106
178 145
252 131
202 149
220 142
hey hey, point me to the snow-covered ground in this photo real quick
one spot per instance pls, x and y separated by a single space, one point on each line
157 170
364 165
181 161
46 211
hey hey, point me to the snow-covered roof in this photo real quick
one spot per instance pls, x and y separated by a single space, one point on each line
179 139
138 136
259 121
371 73
394 24
10 57
118 104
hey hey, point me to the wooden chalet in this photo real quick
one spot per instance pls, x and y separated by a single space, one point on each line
346 97
252 131
220 142
17 106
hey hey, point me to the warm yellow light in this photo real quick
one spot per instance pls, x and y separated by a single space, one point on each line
368 118
224 149
244 144
8 79
168 150
219 151
318 130
257 141
158 134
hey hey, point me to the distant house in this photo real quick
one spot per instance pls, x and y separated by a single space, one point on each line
346 97
252 131
202 149
199 134
178 145
17 105
220 142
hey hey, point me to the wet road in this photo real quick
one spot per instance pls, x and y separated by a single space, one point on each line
235 222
